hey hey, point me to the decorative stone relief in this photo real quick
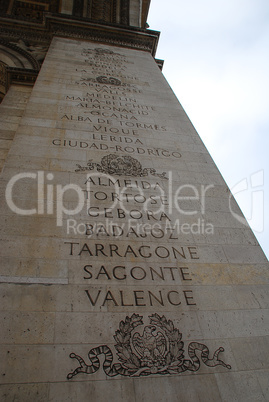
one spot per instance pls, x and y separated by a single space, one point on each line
36 51
157 349
120 165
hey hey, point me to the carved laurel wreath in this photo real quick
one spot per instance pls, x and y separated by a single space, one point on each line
123 346
130 361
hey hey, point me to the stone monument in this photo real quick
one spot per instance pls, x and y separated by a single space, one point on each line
128 272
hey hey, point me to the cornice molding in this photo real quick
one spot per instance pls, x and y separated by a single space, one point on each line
160 63
107 33
21 75
80 28
68 27
15 30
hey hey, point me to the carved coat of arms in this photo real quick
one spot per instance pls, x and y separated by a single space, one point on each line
156 348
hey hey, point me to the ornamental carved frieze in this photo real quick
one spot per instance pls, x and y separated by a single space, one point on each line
77 28
143 350
120 166
143 42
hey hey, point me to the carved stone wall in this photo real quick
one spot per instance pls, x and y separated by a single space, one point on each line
122 254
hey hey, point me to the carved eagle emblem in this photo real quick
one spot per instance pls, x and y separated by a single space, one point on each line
151 346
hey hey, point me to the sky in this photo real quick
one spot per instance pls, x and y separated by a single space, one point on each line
216 59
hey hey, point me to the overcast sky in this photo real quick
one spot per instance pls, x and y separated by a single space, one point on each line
216 55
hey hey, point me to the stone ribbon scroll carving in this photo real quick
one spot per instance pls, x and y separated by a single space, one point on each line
156 348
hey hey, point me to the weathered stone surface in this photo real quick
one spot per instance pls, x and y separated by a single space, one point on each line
24 392
142 271
11 111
